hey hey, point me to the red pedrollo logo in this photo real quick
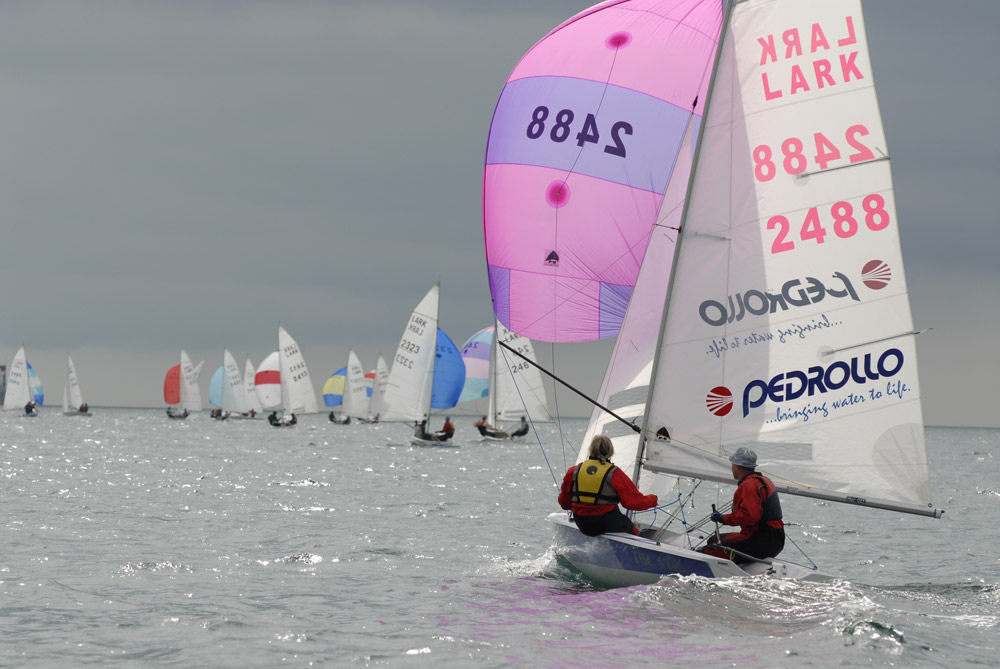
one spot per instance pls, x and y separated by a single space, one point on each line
816 380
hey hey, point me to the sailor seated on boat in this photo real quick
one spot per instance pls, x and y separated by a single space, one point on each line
757 511
30 407
447 430
594 488
84 408
487 430
273 418
521 430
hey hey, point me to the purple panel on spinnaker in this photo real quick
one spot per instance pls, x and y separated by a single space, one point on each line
582 145
614 300
648 158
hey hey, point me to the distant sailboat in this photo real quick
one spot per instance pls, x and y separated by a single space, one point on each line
24 388
513 387
283 384
249 393
427 372
346 388
180 388
72 403
375 381
225 390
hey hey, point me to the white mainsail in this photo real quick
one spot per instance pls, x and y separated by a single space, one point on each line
190 393
297 393
515 385
355 399
381 377
788 325
233 396
18 393
72 395
408 388
250 393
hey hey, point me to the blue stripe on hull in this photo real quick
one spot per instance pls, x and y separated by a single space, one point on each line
637 563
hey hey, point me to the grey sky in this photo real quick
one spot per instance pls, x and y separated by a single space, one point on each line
190 174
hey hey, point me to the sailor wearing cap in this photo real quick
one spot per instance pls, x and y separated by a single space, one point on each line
756 510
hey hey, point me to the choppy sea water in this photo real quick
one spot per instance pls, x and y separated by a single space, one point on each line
133 540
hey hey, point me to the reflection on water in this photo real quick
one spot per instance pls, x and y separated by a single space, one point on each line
211 543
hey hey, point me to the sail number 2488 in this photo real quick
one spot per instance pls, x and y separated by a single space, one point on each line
560 127
841 218
794 160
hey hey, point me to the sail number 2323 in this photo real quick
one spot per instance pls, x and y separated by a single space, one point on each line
560 127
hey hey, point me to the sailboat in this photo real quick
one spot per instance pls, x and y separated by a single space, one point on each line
225 389
375 381
283 384
786 327
427 372
72 403
512 385
180 388
24 388
346 388
250 394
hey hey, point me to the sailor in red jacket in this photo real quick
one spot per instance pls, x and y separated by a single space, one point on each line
756 510
594 488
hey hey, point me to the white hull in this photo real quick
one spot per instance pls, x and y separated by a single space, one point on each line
417 441
619 560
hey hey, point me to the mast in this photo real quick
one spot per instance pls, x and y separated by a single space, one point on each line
641 449
491 387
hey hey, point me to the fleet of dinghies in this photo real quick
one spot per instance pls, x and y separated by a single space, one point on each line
709 182
428 374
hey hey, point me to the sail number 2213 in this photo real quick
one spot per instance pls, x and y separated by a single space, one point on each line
560 127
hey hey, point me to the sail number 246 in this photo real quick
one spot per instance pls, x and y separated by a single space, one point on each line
560 127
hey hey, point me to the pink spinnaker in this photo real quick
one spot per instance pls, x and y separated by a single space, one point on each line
581 148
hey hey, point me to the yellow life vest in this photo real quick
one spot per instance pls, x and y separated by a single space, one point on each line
592 483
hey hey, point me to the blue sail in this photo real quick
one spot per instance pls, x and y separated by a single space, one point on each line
449 373
35 386
215 387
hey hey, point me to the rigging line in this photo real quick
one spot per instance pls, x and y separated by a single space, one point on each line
874 341
635 427
538 439
555 401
